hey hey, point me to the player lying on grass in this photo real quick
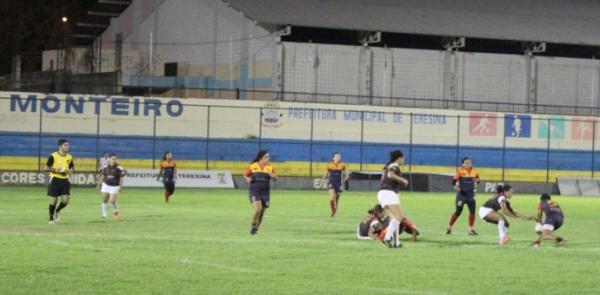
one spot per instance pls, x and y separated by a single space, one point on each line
371 226
494 209
375 225
554 220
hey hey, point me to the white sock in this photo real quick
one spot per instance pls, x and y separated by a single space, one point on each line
115 206
392 229
397 235
104 210
397 239
501 229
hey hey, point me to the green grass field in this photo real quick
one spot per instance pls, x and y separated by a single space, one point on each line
199 244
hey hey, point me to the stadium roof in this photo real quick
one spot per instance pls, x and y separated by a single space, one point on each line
557 21
97 19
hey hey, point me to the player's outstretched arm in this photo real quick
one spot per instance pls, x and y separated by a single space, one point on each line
507 211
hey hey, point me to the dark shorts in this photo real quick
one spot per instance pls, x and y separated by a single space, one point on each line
59 187
462 199
169 185
363 229
556 221
335 186
265 199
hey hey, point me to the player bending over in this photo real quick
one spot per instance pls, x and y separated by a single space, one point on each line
554 220
494 209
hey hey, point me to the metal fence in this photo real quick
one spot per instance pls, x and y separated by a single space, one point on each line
112 84
226 137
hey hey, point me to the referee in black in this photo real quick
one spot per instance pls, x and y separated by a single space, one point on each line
61 167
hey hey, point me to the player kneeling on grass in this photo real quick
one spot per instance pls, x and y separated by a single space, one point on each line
554 220
405 226
492 211
408 227
375 226
111 180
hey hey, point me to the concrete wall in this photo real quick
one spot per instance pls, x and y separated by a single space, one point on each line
429 74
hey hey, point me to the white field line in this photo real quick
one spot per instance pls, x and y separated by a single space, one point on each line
216 265
401 291
76 245
351 241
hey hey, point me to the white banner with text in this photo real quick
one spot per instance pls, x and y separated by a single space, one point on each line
185 178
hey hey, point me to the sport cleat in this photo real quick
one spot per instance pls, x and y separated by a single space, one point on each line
56 216
448 231
472 232
415 233
416 230
388 243
560 241
51 222
116 215
504 240
253 229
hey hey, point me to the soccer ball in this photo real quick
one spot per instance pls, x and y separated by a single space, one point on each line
538 228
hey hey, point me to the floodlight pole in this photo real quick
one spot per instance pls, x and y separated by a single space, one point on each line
369 38
450 69
531 74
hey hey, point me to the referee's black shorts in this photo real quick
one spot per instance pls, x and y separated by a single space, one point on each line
59 187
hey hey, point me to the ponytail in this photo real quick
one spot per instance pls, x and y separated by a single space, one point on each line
394 155
375 210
